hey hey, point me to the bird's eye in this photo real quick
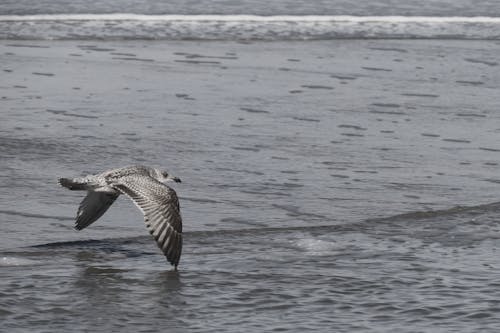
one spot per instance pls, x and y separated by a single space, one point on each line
164 174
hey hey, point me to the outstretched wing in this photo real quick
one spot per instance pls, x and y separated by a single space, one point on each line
160 206
92 207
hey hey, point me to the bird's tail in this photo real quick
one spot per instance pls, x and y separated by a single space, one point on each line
72 184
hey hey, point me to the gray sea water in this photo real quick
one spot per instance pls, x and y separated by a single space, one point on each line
329 185
248 20
257 7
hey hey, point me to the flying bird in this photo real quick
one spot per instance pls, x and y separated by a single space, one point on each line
145 187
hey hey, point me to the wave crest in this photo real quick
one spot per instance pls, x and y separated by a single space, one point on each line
243 27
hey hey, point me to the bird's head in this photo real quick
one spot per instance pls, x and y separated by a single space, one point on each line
164 176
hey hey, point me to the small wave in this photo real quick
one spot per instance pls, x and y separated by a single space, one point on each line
243 27
456 210
15 261
38 216
308 241
82 242
316 246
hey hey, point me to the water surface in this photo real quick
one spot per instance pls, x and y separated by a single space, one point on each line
297 161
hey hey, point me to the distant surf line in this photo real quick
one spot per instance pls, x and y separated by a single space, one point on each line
252 18
245 27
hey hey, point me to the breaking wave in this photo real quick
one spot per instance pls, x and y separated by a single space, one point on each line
244 27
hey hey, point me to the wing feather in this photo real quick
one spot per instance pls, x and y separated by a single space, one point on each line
93 206
160 206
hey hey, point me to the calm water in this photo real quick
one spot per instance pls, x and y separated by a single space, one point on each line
258 7
330 185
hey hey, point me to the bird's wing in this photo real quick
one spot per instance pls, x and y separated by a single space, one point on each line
92 207
160 206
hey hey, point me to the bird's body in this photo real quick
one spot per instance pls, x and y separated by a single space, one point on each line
144 185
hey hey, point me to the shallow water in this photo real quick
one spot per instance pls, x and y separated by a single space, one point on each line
418 272
296 159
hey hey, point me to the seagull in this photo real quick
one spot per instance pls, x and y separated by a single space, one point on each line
145 187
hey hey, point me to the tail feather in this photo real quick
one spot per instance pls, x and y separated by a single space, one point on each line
72 184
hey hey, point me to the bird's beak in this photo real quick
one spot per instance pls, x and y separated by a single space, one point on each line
172 178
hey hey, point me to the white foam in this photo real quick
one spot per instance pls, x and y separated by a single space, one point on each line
14 261
315 246
228 27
